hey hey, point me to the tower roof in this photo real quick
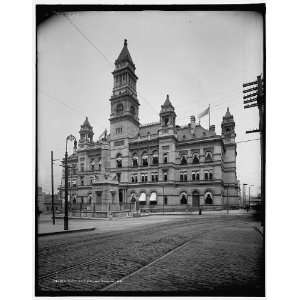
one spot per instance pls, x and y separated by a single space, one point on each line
228 114
167 102
124 55
86 123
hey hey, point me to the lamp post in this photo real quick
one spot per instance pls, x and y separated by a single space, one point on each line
66 219
244 194
250 193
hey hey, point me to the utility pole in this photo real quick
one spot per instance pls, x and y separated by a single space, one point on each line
255 97
227 202
52 190
66 225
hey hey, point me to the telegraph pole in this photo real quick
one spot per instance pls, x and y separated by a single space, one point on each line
254 96
52 190
66 225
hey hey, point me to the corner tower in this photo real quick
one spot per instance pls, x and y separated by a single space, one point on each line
124 117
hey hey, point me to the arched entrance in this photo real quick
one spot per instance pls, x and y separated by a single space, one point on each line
183 198
195 199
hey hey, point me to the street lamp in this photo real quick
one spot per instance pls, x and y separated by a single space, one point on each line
69 138
244 194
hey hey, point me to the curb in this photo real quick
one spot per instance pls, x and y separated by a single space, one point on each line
67 231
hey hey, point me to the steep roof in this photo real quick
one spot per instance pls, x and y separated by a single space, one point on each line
124 55
86 123
228 114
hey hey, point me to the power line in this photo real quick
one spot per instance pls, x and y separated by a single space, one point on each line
246 141
62 103
87 39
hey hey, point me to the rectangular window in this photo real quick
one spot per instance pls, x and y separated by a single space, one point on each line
119 176
119 130
165 176
165 158
165 200
153 177
181 176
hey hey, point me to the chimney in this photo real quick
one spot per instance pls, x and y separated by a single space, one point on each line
193 120
212 128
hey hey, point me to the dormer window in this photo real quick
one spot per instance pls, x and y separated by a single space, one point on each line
196 158
183 160
208 156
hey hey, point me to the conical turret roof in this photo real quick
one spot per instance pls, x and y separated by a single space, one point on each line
124 55
86 123
168 102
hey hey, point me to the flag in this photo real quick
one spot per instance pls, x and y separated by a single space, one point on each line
204 113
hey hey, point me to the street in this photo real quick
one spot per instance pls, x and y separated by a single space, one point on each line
219 255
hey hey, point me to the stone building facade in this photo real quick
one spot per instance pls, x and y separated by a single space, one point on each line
154 164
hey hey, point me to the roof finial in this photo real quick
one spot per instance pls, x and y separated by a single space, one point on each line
168 96
125 42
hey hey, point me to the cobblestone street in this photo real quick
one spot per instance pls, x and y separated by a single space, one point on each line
207 255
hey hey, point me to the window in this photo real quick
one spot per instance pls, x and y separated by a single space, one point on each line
119 161
92 167
208 156
208 175
196 158
183 160
119 130
155 158
145 160
135 178
155 177
120 108
153 198
135 160
198 176
99 164
81 167
193 176
143 178
165 200
132 110
119 177
81 180
92 180
165 176
183 176
183 199
165 158
132 179
146 177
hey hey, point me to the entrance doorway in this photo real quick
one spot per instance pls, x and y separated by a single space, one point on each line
195 199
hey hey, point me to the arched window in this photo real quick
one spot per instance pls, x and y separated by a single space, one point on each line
142 198
120 108
208 198
183 160
183 198
153 198
145 160
134 160
196 158
119 161
155 158
208 156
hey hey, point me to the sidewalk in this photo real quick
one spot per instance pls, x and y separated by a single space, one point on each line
47 228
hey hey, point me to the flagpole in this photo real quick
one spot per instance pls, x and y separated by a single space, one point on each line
208 116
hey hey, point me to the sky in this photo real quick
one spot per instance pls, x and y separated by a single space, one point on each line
198 58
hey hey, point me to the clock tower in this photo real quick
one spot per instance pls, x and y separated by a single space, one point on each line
124 117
